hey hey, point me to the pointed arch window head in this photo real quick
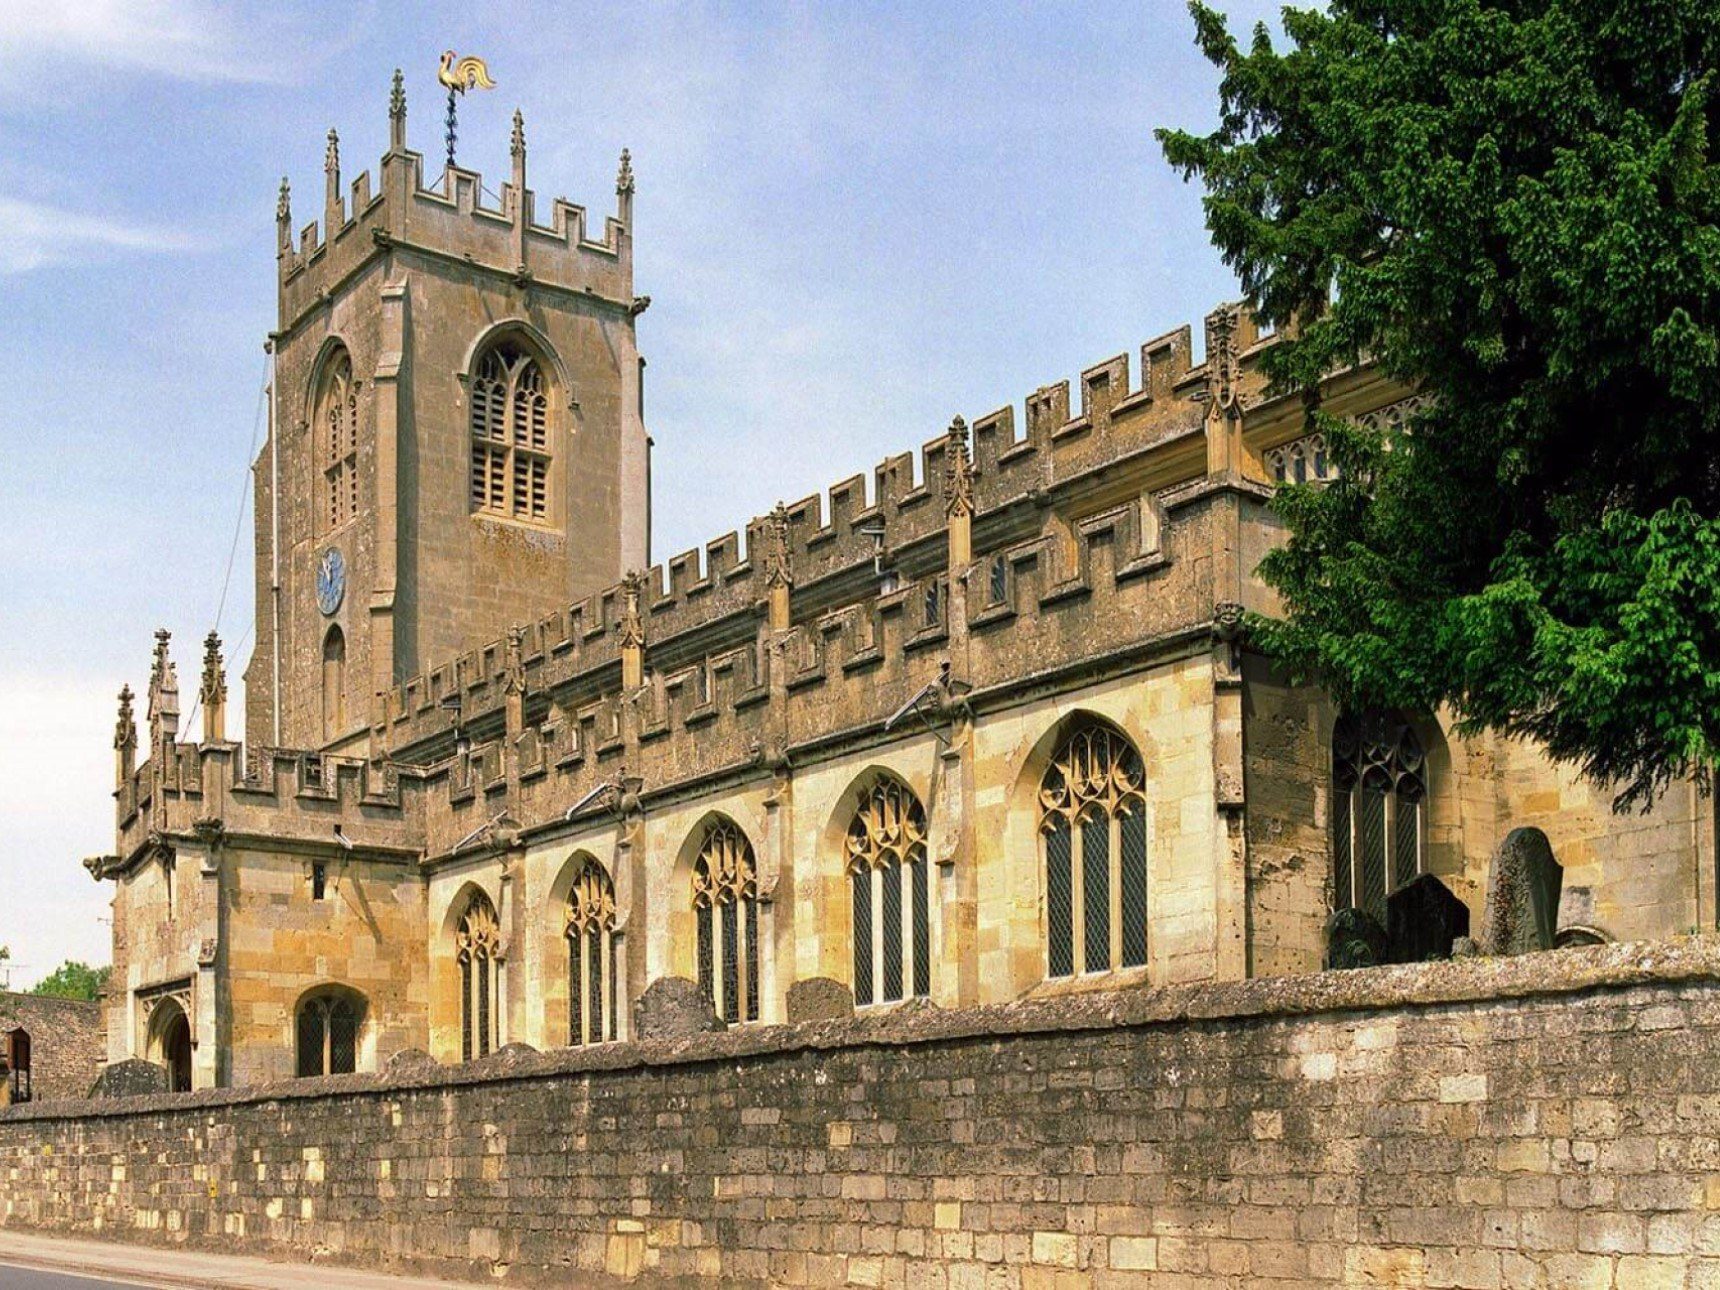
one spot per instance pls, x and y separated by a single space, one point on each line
336 428
477 944
590 931
891 894
510 435
1379 787
1093 832
334 683
725 904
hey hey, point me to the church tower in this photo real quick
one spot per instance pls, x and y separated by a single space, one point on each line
456 441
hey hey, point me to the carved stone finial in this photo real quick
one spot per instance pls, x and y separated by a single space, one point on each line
631 630
214 688
624 177
397 98
284 203
958 471
518 147
160 666
125 729
331 158
778 558
1223 364
515 662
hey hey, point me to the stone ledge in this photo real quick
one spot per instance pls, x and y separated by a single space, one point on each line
1047 1009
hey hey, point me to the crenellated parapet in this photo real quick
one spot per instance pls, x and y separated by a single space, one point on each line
451 219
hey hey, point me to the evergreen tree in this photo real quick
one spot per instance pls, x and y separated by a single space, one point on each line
1511 205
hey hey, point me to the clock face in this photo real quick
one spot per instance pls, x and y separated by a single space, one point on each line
331 580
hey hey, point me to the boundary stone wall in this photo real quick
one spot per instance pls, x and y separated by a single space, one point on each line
1548 1120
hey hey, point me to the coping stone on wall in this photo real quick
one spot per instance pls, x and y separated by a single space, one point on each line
819 998
1050 1008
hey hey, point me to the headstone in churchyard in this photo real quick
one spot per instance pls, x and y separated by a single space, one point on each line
1354 939
819 998
1523 886
673 1007
130 1078
1423 918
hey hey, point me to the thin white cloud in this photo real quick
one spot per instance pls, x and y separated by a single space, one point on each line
34 236
184 39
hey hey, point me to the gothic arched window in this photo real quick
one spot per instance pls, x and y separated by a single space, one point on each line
336 429
725 901
590 931
334 683
1093 822
477 940
1379 784
886 853
328 1034
510 435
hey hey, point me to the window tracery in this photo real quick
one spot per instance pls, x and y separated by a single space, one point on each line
589 928
1093 808
477 944
337 429
725 902
891 894
327 1027
1379 786
509 422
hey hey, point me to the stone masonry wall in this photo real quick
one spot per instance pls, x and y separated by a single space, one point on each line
1545 1121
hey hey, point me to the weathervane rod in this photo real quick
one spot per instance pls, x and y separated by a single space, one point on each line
460 75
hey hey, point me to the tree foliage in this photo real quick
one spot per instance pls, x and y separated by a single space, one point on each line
1510 204
73 980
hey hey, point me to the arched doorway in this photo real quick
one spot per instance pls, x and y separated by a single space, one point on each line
170 1044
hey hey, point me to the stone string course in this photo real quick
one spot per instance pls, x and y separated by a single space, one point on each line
1544 1121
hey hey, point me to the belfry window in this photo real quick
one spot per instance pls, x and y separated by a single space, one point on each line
337 434
510 436
591 956
477 941
1379 790
725 903
334 683
891 890
328 1026
1093 827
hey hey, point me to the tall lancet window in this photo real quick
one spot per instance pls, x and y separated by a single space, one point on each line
510 435
891 895
337 439
1093 827
1379 791
591 989
334 683
477 941
725 903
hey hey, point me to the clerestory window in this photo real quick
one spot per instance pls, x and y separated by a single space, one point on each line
510 436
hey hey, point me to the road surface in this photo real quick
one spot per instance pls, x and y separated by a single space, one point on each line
33 1262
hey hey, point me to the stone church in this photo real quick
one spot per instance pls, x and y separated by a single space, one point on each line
978 728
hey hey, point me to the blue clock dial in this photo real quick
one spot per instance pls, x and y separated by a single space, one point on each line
331 580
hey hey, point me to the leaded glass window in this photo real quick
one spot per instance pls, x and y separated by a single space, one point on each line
1379 788
590 956
477 943
890 894
336 430
327 1033
509 421
725 903
1093 825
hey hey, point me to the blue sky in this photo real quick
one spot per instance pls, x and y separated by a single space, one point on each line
854 221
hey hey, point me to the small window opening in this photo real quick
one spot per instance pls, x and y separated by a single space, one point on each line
319 881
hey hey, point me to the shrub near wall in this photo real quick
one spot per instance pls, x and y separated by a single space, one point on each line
1548 1120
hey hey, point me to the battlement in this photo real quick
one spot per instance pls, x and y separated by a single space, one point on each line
451 221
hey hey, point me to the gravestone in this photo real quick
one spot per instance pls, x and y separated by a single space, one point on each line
1354 939
409 1060
1423 919
1523 887
819 998
130 1078
673 1007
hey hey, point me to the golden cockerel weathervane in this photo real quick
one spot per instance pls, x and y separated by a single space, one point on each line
460 75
